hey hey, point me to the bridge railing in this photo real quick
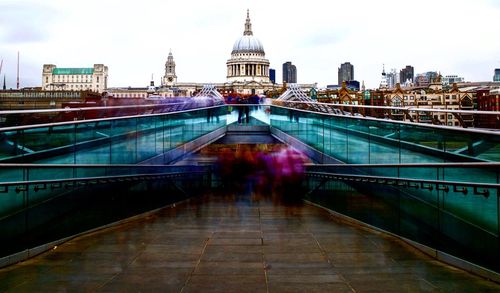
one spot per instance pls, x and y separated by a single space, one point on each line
116 140
435 205
9 118
40 204
368 140
444 115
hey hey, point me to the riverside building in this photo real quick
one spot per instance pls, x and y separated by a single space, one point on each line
75 79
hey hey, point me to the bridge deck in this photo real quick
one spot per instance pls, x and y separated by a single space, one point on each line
237 244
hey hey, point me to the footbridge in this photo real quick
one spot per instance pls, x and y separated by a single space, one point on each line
107 201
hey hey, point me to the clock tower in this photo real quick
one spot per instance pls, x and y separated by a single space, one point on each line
170 77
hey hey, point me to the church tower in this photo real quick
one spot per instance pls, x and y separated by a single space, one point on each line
384 84
170 77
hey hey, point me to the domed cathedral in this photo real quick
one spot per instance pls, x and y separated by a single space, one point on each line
247 71
248 68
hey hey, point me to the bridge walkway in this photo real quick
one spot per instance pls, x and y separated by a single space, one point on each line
237 243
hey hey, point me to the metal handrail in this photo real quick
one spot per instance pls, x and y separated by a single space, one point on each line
412 108
437 165
413 124
367 178
449 164
98 179
22 127
13 165
87 108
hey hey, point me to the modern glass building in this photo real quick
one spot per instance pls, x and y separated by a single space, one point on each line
346 72
496 77
289 72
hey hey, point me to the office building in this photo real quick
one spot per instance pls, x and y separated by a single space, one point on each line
496 77
406 74
392 78
272 75
289 73
346 72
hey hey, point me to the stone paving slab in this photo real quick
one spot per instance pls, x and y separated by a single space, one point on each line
237 244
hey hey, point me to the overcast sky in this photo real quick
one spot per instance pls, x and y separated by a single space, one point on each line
133 38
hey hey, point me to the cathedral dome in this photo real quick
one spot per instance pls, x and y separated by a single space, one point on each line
248 43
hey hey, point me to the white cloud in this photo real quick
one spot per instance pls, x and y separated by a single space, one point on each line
133 38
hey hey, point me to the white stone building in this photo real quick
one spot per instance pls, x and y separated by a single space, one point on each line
75 79
248 60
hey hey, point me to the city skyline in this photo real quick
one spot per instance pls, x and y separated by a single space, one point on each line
134 40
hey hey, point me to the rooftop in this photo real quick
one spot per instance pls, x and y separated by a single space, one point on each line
72 71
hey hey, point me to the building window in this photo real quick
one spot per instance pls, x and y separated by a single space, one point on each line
98 79
450 116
